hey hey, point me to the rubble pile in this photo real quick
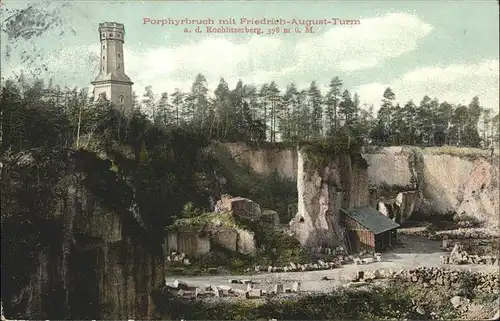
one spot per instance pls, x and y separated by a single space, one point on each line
459 256
178 257
463 233
297 267
335 263
183 290
483 282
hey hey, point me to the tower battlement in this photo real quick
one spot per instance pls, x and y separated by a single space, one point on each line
111 31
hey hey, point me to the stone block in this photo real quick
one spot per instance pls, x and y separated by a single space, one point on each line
180 285
225 288
241 293
368 260
278 288
216 291
255 293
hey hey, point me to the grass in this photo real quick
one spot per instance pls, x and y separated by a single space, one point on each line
204 220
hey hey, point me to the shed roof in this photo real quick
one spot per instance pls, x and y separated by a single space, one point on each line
372 219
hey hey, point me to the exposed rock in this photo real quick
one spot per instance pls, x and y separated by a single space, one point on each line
180 285
323 188
420 310
458 301
255 293
278 288
241 293
271 217
467 186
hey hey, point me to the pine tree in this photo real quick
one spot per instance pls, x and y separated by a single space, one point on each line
316 101
178 103
149 102
223 109
274 98
164 114
332 103
198 102
289 125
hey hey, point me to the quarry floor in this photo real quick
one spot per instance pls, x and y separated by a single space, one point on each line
416 251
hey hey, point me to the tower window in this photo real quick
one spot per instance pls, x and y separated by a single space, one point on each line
103 47
102 68
118 55
103 57
118 68
120 99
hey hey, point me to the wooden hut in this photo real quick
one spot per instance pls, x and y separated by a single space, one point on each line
367 229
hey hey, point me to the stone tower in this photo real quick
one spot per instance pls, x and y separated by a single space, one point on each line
112 83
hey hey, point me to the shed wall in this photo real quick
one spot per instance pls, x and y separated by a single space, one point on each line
360 238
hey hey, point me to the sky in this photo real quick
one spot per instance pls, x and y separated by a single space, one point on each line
445 49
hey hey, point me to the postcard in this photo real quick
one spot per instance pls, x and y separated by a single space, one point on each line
260 160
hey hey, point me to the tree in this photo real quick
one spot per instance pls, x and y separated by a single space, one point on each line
149 102
198 102
486 127
495 132
332 104
274 98
222 109
316 101
382 130
263 106
164 114
178 103
289 124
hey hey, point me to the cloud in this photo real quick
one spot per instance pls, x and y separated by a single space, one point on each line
169 68
456 83
372 42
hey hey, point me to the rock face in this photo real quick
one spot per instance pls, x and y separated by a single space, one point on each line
265 160
94 271
409 181
322 191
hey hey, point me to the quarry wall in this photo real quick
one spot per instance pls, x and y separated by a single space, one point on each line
323 189
406 181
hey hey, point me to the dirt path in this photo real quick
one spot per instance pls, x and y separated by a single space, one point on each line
418 251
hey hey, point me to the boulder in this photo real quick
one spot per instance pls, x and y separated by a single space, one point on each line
278 288
180 285
255 293
458 301
296 287
225 288
241 293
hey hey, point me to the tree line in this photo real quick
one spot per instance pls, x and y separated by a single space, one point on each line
248 113
266 113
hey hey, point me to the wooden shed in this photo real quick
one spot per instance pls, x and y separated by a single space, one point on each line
367 229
